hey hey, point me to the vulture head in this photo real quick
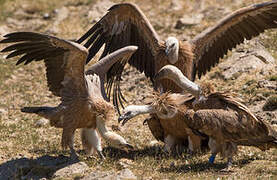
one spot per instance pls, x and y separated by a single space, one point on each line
172 49
165 106
132 111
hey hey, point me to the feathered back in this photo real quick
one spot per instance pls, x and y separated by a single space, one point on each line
161 102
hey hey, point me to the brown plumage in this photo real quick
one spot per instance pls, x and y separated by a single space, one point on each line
125 24
222 117
170 110
83 103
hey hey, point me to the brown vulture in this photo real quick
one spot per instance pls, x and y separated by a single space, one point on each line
82 94
223 118
170 108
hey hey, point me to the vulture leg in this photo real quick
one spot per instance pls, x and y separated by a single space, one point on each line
214 150
91 141
170 142
115 140
68 141
229 162
194 143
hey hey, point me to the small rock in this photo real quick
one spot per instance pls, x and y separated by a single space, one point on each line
77 168
3 111
154 143
253 58
125 162
100 176
188 21
46 16
175 5
42 122
61 14
126 174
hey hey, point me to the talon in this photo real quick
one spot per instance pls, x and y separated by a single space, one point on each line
101 155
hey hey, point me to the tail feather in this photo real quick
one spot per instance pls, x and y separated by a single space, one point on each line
34 109
46 112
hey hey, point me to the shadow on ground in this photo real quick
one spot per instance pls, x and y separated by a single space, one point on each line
206 166
42 167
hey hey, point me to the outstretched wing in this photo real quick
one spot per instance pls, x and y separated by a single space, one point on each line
123 25
120 56
64 60
245 23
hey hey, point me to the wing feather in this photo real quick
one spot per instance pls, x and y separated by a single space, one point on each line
124 24
244 23
64 60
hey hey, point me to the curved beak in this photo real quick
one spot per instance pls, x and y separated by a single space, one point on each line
124 118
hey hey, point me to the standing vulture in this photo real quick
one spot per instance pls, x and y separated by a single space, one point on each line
81 92
223 118
170 108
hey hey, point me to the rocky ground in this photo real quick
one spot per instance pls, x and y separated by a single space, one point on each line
30 148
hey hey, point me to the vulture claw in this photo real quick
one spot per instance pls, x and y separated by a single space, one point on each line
101 155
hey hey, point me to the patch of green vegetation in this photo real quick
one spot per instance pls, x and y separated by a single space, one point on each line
6 69
4 12
273 78
271 104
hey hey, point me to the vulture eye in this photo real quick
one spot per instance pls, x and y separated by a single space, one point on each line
172 45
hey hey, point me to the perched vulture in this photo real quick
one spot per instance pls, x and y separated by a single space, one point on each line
226 121
125 24
81 92
170 108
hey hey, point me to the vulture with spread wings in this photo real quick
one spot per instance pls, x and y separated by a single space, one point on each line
82 94
125 24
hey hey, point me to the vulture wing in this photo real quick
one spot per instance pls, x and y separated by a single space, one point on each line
245 23
124 24
64 60
231 126
120 56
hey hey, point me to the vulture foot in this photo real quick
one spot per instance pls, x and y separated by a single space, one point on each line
73 154
101 155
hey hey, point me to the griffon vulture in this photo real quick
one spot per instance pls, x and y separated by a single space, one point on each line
223 118
82 92
170 109
125 24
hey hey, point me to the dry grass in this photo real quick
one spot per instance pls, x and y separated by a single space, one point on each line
26 85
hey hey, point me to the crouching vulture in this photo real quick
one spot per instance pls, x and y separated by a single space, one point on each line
82 93
125 24
226 121
170 108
